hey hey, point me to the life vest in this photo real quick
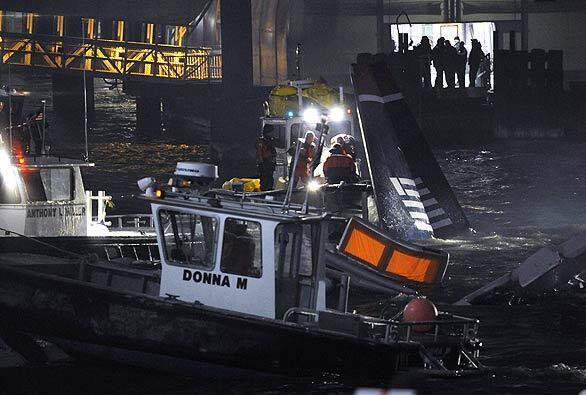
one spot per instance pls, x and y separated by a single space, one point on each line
340 167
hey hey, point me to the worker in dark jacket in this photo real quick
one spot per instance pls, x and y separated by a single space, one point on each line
266 158
437 56
450 59
339 167
423 52
461 64
476 56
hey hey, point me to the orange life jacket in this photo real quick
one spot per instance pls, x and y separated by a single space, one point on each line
340 167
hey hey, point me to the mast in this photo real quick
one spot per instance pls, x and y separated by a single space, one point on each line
9 109
86 155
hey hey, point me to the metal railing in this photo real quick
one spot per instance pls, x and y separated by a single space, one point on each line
136 251
111 58
131 222
401 331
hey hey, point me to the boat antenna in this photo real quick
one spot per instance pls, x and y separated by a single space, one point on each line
323 130
287 199
298 60
43 143
9 108
86 155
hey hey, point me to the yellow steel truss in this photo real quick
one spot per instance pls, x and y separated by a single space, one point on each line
110 58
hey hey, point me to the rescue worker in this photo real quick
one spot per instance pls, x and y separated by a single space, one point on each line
266 158
437 57
349 147
339 167
450 59
307 152
476 56
461 64
423 52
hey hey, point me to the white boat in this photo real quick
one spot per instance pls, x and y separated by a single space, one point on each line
42 196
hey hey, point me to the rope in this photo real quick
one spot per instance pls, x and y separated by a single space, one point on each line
73 254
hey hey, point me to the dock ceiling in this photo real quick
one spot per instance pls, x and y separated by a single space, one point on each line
433 7
170 12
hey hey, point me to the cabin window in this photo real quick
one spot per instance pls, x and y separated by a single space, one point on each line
190 239
241 248
297 132
280 134
342 127
34 186
57 183
8 188
49 184
293 260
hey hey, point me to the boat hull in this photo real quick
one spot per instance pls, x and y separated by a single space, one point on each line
78 313
139 247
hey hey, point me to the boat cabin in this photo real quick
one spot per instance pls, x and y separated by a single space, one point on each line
244 260
245 256
299 106
42 196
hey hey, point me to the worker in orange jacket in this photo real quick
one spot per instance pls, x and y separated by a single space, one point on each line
339 166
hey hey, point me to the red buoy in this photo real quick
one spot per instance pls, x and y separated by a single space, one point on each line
420 309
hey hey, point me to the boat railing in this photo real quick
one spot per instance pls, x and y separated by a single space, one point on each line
385 325
243 201
60 159
466 328
463 328
146 252
131 221
102 201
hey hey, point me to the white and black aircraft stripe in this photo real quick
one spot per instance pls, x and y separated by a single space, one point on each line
422 206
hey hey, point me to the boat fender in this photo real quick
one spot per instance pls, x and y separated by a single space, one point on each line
420 309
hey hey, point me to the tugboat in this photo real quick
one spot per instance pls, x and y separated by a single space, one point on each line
242 285
43 203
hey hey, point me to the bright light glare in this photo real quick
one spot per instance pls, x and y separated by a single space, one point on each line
311 115
313 185
336 114
7 170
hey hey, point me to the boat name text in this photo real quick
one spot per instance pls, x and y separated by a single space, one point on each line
51 212
220 280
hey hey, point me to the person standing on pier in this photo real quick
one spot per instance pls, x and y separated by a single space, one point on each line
437 56
423 51
449 60
476 56
461 64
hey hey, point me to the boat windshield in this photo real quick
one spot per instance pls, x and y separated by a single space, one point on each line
190 239
280 133
54 184
341 127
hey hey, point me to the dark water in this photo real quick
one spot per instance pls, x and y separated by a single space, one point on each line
518 196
